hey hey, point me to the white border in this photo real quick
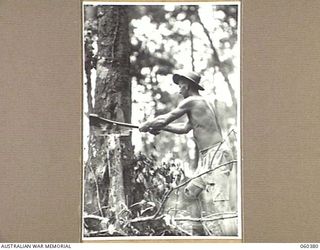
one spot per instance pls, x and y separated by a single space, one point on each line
161 3
239 126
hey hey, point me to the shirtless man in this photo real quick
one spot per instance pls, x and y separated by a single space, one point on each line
207 133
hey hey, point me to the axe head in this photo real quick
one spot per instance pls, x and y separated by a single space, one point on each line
95 121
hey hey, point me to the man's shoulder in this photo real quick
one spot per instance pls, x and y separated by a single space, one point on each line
191 100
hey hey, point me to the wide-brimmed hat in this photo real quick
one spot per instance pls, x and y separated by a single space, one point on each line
192 76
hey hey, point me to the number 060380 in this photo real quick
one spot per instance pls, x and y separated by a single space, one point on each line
309 246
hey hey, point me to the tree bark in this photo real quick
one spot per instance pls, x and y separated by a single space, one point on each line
112 151
88 66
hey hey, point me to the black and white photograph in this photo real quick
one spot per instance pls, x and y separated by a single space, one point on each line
161 121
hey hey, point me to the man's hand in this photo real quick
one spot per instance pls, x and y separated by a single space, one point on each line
145 127
154 131
161 121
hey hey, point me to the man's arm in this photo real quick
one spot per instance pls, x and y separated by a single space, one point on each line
178 128
161 121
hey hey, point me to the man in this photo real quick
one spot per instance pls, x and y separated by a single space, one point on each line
211 190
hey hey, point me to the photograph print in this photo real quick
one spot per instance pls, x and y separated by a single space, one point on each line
161 121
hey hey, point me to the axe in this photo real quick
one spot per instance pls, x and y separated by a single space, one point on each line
96 120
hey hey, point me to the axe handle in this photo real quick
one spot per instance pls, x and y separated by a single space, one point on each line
129 125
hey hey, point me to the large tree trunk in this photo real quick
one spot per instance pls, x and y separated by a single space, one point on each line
111 149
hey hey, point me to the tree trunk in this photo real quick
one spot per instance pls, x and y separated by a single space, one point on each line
192 48
112 152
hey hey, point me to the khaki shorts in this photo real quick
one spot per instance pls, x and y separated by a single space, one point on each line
218 179
212 189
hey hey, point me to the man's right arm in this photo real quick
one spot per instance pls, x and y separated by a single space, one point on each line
161 121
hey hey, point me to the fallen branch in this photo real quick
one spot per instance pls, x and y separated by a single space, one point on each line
215 218
183 231
144 219
104 232
97 233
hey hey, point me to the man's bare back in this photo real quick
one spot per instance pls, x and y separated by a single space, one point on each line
206 130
